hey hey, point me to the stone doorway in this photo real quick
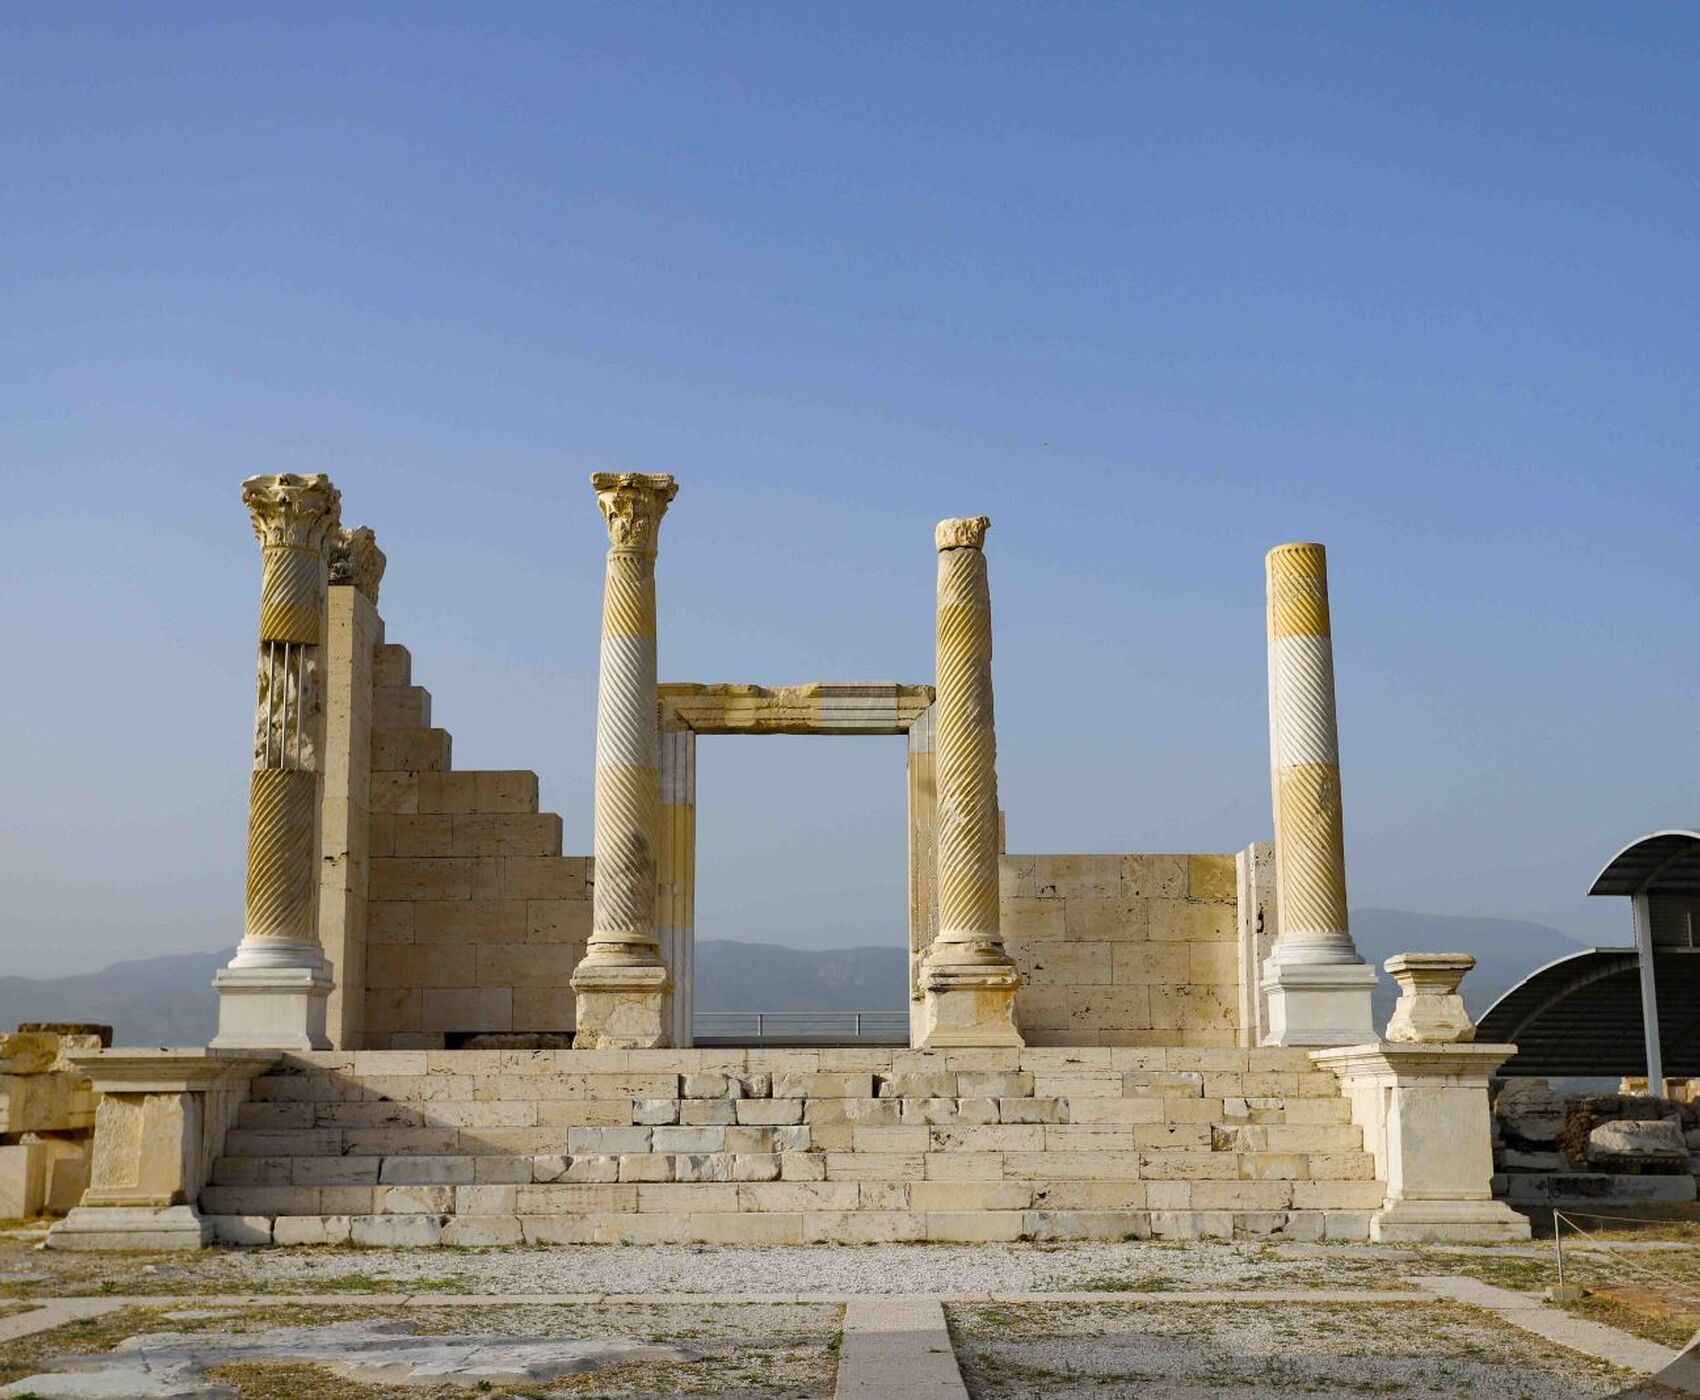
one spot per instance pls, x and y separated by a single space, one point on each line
688 710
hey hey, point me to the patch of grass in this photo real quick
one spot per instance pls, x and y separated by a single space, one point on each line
1114 1283
25 1355
379 1283
1667 1331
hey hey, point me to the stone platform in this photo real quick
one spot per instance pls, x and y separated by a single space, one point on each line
489 1147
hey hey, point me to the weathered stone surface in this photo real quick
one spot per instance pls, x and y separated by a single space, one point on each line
174 1365
1430 1011
1530 1113
1622 1143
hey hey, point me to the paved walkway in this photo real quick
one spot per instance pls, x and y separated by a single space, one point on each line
901 1346
897 1346
1678 1370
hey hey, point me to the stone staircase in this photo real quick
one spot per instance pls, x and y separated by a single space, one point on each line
475 919
495 1147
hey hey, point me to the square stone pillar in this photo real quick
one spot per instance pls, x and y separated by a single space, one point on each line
676 875
354 631
160 1123
1424 1112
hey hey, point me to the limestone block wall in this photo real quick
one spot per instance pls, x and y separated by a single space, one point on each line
1124 949
47 1111
474 918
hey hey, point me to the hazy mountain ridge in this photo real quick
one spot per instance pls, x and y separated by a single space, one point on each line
1506 950
169 1000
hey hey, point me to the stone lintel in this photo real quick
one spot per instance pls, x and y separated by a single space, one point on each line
817 707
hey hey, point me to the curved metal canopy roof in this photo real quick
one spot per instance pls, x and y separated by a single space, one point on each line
1581 1015
1667 862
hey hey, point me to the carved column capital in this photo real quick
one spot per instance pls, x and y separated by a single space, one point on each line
632 504
293 512
356 561
968 532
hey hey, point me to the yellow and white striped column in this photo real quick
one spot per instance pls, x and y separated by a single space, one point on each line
622 982
1318 986
968 981
272 995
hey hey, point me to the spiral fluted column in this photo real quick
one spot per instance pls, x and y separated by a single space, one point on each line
272 995
968 980
622 982
1318 986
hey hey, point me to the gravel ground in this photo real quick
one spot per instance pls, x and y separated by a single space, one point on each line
1105 1351
847 1269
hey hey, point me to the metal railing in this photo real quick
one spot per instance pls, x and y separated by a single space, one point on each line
800 1027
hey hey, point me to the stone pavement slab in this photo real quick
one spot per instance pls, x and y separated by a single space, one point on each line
54 1313
897 1346
1531 1314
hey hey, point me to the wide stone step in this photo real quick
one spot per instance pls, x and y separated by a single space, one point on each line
427 1229
657 1100
516 1129
1240 1178
566 1197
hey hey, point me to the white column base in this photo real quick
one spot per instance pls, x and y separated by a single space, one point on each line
273 997
131 1227
968 1006
1447 1222
1319 1003
621 1006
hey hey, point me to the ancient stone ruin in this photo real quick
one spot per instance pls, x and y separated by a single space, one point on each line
1101 1046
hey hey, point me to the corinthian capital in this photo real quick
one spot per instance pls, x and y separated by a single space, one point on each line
357 561
966 533
292 511
632 504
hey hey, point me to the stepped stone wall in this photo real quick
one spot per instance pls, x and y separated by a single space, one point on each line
480 1147
474 919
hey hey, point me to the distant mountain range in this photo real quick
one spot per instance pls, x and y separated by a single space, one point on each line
1506 950
169 1000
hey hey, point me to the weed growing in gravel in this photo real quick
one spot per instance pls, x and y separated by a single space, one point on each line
1112 1283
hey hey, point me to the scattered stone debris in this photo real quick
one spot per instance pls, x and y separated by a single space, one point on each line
1623 1143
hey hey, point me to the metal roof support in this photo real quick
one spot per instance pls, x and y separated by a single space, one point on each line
1649 991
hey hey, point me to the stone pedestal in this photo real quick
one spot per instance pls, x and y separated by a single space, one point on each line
1430 1010
968 981
1315 986
160 1123
622 983
273 993
1424 1112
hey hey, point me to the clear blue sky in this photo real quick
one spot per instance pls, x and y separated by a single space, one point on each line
1154 286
